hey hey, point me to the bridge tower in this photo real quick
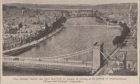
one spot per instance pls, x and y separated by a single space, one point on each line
97 60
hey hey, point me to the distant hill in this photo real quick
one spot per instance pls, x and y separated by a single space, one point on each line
120 5
56 6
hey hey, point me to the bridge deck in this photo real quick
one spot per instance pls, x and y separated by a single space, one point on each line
47 64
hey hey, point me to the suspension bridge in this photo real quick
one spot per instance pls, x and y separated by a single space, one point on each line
65 62
61 62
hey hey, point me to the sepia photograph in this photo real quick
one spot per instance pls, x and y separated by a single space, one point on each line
55 38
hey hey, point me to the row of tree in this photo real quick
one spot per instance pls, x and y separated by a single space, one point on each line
118 40
48 29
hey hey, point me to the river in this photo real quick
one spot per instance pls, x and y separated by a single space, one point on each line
75 38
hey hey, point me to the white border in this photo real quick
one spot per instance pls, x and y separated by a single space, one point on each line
129 79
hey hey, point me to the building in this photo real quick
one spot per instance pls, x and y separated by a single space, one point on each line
131 61
82 13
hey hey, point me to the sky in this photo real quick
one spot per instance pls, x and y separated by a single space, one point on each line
91 2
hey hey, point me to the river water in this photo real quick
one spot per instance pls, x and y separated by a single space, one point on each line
75 38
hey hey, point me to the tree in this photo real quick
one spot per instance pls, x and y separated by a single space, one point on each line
20 25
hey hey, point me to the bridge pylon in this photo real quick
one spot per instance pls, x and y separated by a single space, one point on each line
96 60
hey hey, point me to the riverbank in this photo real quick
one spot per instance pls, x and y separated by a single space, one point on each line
124 44
29 45
47 65
10 71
